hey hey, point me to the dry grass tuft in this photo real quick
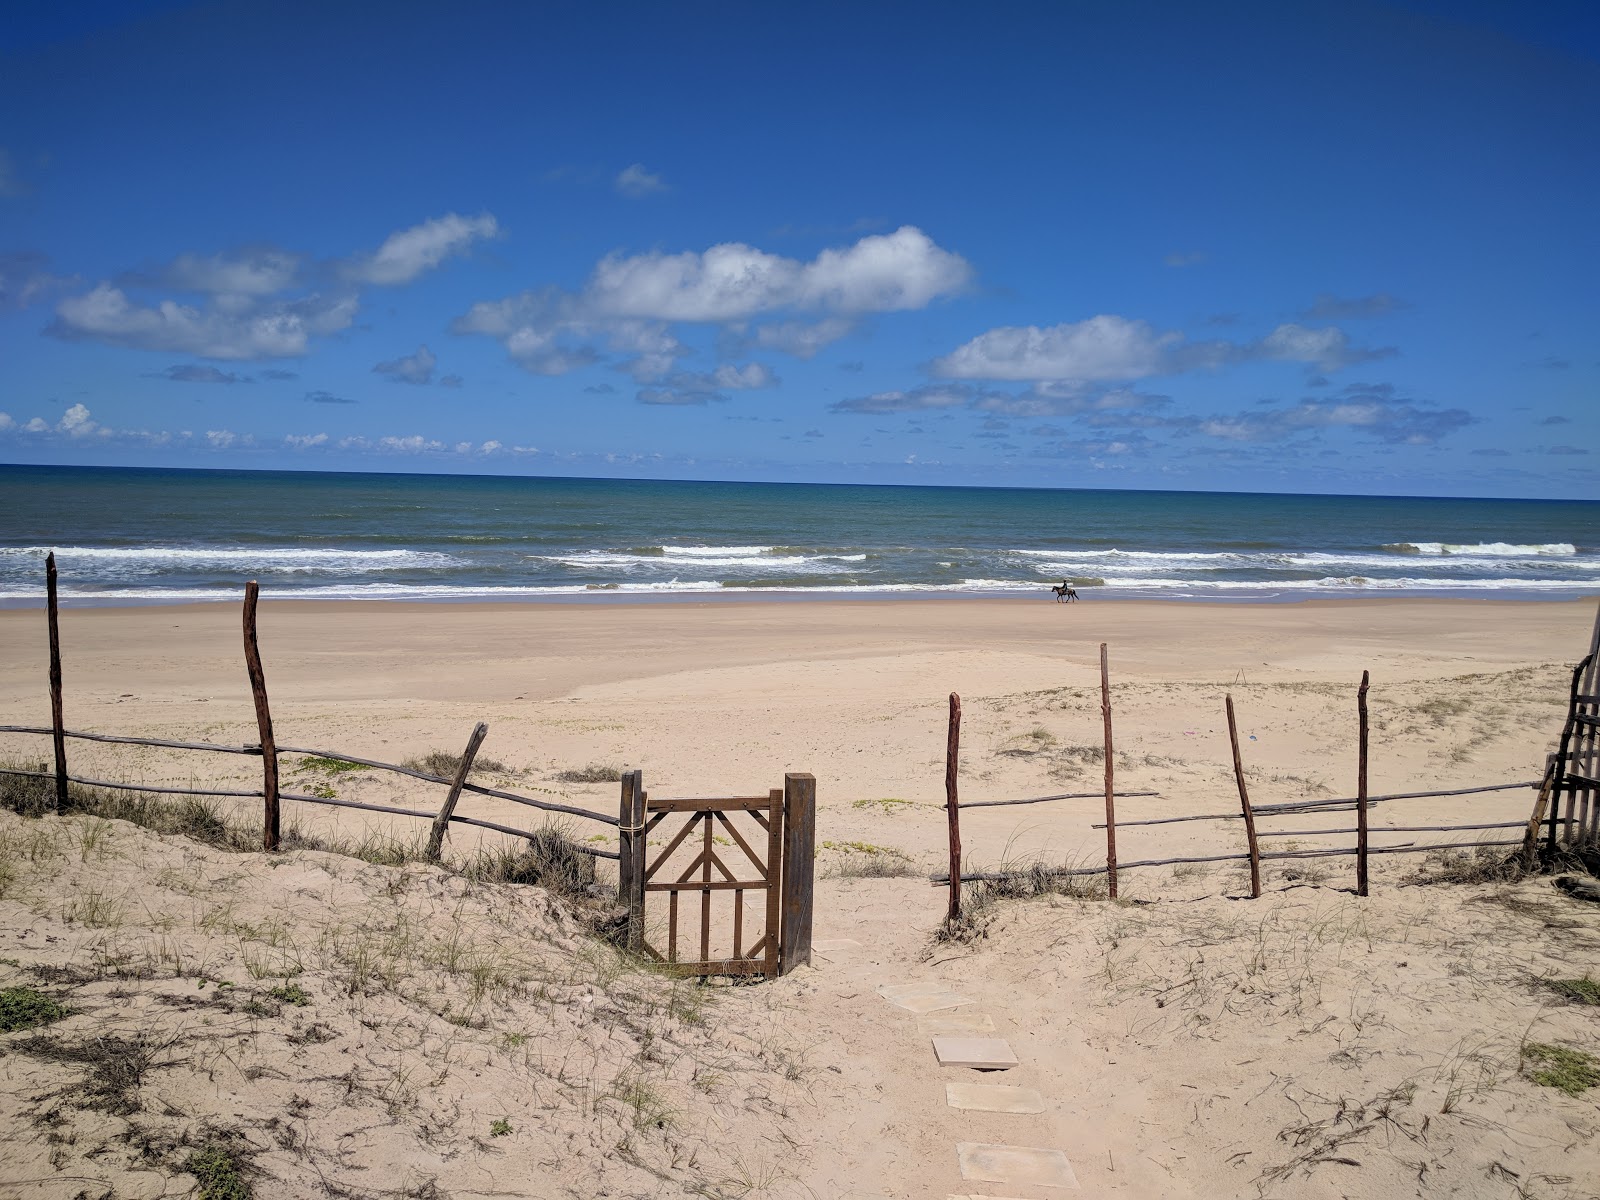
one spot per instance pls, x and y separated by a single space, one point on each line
593 773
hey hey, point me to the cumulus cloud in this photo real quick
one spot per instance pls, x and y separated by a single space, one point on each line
630 303
263 272
636 181
1336 308
803 339
223 439
415 444
6 421
413 368
195 373
280 330
410 252
1110 348
305 441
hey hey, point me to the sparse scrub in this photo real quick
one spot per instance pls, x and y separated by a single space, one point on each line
593 773
28 1008
1485 864
1571 1071
1575 991
863 860
220 1172
1015 881
550 859
445 763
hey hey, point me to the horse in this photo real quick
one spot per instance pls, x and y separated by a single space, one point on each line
1066 592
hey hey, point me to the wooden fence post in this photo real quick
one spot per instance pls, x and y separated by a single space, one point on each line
631 869
952 803
1111 809
258 692
799 859
1244 803
1361 789
441 823
57 719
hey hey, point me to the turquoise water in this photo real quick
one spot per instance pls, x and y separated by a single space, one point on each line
130 536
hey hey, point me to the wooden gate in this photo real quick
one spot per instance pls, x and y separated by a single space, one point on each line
743 861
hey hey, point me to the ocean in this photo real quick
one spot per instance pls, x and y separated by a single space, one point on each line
166 536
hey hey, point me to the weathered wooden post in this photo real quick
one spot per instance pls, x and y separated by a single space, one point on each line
441 823
1111 809
1361 789
57 717
258 692
1244 803
799 859
631 857
952 803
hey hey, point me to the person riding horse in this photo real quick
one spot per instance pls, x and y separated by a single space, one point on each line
1064 592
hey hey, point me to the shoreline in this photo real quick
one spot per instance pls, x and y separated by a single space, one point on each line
764 597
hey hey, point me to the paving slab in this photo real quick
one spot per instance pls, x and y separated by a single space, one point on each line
960 1024
1015 1164
993 1097
984 1054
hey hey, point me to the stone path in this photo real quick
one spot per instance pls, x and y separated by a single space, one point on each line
966 1051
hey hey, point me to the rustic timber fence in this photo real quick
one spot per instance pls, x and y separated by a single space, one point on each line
782 874
269 751
1360 804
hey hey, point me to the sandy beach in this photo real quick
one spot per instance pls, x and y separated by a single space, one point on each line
1187 1043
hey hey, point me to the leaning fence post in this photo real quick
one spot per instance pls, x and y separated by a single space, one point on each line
1111 810
1361 789
441 823
799 857
625 840
258 692
1244 803
57 719
952 803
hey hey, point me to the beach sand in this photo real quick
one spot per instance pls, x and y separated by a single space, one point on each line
1185 1042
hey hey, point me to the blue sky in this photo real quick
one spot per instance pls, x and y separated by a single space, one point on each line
1315 247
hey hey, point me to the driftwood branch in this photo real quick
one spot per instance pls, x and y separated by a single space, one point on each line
258 692
1063 796
57 717
160 743
1111 808
952 800
1320 806
441 823
1244 804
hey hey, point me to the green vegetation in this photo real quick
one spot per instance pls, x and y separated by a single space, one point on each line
1578 991
889 804
1572 1071
863 860
219 1172
290 993
499 1128
28 1008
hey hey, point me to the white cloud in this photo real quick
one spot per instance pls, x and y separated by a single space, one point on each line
802 339
1099 349
221 439
304 441
734 282
75 422
490 446
37 425
262 273
408 253
25 279
413 368
636 181
415 444
1107 349
6 421
281 330
630 302
916 400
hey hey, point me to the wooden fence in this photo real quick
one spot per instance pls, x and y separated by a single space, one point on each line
1249 813
269 752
